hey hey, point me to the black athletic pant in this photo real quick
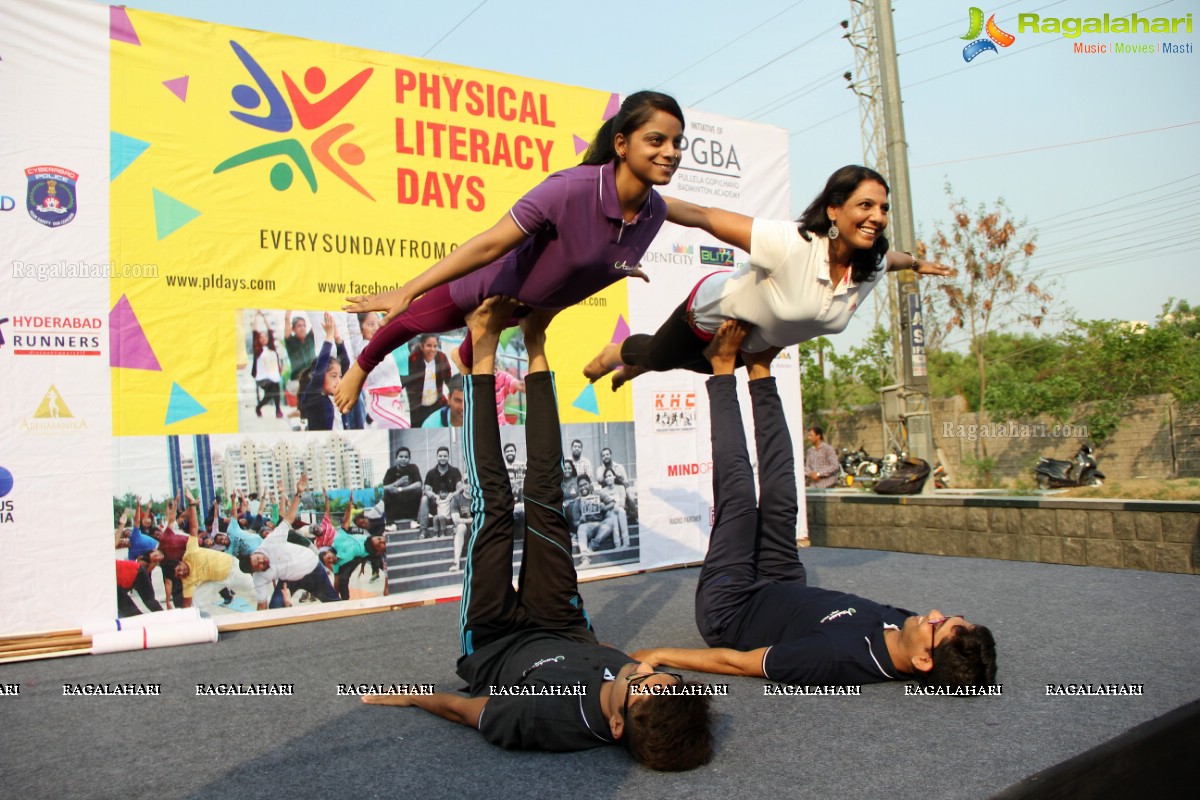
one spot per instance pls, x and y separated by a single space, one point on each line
547 594
145 589
675 345
753 543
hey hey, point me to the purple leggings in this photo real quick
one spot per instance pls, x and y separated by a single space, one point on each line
433 312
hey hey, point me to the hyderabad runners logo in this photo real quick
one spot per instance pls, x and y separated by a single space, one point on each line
995 36
50 196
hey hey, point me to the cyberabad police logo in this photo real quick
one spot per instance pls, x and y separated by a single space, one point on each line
51 197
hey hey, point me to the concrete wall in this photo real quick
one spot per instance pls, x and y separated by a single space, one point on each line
1155 440
1148 535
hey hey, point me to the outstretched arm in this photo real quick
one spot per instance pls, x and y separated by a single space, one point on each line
717 660
478 251
290 516
897 261
728 226
348 517
463 710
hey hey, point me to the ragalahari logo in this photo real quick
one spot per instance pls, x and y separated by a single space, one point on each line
312 114
995 36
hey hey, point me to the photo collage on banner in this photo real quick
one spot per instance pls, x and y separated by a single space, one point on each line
240 185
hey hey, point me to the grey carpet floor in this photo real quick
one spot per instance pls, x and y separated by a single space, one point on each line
1053 624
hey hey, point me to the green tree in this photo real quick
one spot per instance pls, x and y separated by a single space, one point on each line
993 283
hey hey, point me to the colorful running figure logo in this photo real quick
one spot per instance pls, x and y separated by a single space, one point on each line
995 36
311 114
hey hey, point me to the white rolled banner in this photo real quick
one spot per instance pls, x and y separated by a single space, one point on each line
173 616
195 632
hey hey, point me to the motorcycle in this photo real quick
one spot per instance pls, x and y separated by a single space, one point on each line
858 463
1053 473
888 466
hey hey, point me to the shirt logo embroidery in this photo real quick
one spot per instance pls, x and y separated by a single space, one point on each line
845 612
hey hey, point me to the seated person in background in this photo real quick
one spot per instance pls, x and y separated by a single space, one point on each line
753 604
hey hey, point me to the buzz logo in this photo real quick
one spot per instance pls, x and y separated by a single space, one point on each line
995 36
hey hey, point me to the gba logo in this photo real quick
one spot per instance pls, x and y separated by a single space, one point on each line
716 256
995 36
50 195
312 114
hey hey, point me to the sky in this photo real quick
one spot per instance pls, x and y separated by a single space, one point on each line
1098 154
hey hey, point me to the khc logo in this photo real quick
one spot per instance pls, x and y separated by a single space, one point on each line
311 114
995 36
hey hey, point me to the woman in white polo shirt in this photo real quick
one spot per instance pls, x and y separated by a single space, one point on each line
804 279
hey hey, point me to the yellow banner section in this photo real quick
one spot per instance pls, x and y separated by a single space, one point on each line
256 170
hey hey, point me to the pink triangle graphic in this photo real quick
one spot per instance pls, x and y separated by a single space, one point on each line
120 29
580 144
621 332
178 87
614 105
127 345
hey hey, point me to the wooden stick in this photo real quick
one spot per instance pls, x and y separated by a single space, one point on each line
39 644
12 659
40 634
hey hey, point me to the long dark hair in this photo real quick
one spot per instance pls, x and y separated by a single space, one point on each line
635 112
841 184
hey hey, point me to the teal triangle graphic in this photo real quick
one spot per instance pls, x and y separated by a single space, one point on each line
587 401
122 151
182 406
170 215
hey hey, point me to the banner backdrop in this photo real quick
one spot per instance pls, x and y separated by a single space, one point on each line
184 208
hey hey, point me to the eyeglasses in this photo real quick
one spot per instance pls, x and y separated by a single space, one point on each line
934 624
637 678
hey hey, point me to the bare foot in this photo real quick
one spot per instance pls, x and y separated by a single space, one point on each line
625 375
608 360
535 323
758 365
722 351
533 327
349 388
492 315
484 325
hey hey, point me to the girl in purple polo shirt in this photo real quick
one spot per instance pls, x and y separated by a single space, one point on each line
572 235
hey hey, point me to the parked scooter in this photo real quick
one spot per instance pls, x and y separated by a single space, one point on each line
1053 473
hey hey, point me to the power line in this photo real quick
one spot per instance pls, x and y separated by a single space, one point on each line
1056 146
452 30
1120 197
727 44
767 64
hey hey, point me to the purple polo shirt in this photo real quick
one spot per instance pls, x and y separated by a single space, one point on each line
578 243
